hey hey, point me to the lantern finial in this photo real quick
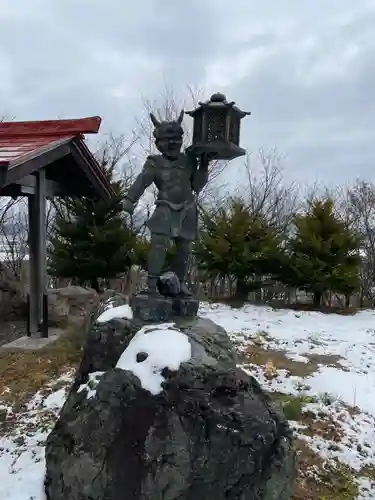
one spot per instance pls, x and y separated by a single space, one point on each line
218 97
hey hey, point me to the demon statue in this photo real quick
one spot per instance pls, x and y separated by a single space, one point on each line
179 177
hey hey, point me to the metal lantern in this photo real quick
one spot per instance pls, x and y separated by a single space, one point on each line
217 129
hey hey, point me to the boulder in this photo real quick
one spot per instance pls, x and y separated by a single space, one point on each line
162 412
13 292
71 305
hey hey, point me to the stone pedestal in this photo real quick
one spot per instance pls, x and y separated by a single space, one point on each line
185 306
159 308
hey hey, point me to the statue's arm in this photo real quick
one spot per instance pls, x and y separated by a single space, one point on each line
141 183
200 174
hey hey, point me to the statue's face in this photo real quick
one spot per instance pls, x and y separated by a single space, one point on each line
169 147
169 142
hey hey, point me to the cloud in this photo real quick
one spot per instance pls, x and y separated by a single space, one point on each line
306 70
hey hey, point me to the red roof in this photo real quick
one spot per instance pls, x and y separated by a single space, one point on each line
20 140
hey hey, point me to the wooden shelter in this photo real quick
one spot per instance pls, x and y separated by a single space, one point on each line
40 160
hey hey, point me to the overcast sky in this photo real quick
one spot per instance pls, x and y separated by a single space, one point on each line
304 68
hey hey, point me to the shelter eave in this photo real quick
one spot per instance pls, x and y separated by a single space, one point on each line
69 165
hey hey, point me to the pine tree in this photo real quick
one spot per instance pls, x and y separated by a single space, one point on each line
236 243
90 241
322 253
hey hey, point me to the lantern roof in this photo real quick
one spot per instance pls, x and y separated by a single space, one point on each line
218 101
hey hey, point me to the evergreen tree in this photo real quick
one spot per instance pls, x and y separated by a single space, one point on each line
236 243
322 253
90 241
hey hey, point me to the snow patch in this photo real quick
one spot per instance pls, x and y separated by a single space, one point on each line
91 384
157 347
22 451
298 358
344 393
5 411
55 400
123 312
22 475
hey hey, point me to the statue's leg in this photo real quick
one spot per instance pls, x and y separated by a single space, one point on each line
181 262
156 259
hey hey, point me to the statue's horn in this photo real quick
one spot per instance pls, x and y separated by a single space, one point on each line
180 118
154 120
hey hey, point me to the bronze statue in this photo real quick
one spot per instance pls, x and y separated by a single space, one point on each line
179 177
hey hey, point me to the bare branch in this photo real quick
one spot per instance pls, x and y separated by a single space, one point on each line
115 149
360 200
266 192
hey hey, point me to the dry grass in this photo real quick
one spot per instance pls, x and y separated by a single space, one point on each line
317 478
257 354
23 373
321 481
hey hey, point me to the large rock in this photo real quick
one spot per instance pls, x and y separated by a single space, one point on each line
166 415
13 302
71 305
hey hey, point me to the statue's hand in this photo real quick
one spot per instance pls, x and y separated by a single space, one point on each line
206 158
128 206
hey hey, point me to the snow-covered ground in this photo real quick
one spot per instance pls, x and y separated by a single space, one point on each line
22 442
340 395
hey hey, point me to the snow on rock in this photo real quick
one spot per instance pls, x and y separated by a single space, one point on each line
151 350
91 384
124 311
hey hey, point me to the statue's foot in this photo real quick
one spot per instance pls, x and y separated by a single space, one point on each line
184 291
